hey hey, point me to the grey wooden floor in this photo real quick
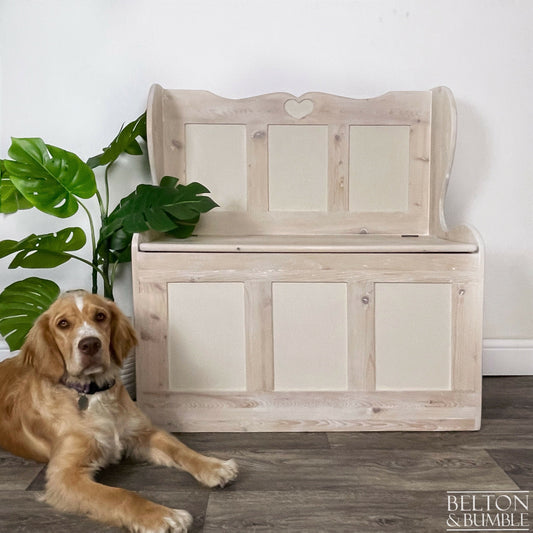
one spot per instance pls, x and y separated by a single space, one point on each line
330 482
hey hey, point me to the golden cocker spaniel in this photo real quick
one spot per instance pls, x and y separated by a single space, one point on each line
62 402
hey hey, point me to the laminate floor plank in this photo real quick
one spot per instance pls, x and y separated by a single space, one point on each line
517 464
494 433
17 473
324 511
358 511
374 469
508 397
220 444
148 477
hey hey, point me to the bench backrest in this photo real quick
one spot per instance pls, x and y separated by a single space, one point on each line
314 164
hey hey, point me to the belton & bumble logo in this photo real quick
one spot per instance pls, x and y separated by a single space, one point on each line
494 510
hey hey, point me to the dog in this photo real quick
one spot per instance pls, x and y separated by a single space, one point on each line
62 402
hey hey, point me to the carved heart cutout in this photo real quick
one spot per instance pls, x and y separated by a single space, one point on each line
299 109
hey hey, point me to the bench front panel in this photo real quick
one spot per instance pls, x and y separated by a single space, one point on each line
337 325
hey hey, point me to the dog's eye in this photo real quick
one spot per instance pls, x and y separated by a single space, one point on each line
100 317
63 324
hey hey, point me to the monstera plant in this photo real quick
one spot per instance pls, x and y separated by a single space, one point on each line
57 182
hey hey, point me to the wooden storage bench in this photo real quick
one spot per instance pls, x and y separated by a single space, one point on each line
326 293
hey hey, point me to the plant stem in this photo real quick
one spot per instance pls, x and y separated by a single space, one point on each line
94 264
104 251
105 268
101 204
107 285
106 184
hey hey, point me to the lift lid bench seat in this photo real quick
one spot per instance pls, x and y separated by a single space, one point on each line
326 293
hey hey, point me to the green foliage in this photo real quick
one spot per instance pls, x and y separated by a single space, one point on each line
44 251
11 200
56 181
20 305
124 142
170 208
48 177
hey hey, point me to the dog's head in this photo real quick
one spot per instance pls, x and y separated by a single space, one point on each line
81 336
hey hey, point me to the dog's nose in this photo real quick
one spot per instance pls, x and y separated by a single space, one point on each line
89 345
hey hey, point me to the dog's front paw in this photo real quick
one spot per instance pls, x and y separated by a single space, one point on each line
227 472
217 473
179 521
168 521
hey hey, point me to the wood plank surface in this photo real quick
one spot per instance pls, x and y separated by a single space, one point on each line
308 243
323 511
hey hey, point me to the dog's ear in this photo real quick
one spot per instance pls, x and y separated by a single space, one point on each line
41 351
123 336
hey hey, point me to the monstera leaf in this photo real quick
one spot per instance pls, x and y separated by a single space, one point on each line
48 177
20 305
11 200
169 207
124 142
44 251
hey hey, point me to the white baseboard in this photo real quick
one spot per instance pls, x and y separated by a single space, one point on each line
501 357
508 357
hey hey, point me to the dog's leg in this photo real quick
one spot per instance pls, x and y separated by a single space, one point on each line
70 487
161 448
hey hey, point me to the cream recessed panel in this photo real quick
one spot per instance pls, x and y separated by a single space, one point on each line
216 157
379 168
413 336
310 336
298 168
206 346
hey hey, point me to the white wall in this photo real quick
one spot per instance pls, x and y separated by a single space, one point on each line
73 71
